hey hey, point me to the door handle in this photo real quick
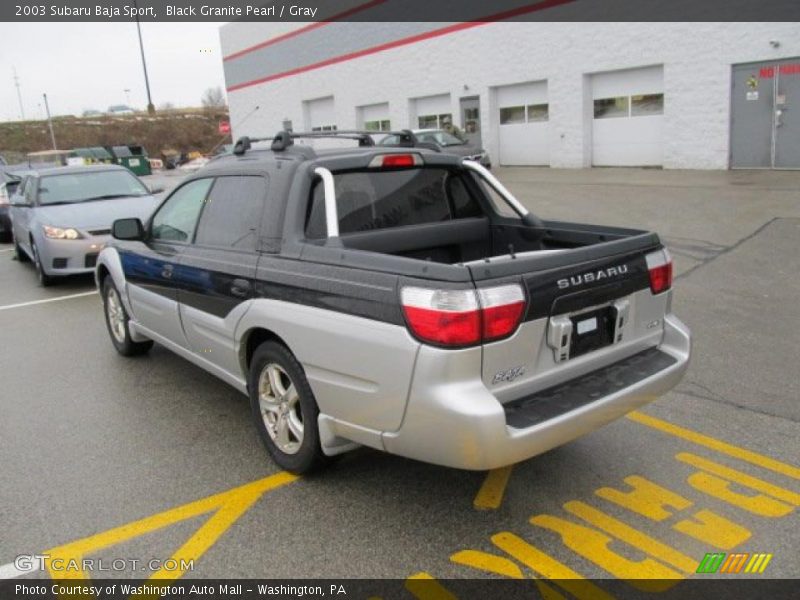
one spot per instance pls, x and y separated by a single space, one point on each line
240 287
166 272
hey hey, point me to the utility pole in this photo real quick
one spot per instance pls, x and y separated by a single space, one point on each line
150 108
49 122
19 95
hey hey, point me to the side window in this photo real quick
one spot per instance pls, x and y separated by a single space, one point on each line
176 219
232 214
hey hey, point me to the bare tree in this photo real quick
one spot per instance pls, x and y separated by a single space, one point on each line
213 97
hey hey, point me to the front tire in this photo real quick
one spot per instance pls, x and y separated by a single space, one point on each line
284 409
117 322
19 253
44 279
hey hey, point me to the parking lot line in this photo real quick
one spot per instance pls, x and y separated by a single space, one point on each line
46 300
227 506
491 493
715 444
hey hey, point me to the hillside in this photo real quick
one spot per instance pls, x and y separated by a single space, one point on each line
184 130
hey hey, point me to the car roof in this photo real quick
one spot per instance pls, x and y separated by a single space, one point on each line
76 169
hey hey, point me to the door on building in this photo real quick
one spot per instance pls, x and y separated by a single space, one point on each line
471 120
628 117
765 115
523 115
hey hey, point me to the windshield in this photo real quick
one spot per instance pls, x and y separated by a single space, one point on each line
89 185
440 137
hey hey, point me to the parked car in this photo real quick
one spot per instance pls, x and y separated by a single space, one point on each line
8 185
401 299
61 217
437 139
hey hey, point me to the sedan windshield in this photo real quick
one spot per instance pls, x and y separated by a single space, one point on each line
84 186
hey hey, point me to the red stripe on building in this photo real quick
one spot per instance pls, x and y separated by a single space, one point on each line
303 30
509 14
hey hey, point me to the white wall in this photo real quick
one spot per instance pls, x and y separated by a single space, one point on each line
696 59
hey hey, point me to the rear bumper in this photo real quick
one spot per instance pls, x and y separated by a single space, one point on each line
457 422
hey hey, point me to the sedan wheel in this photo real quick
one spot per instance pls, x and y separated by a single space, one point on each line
44 278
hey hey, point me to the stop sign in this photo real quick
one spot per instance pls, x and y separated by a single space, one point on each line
224 127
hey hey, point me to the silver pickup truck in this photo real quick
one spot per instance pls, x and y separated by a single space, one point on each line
400 299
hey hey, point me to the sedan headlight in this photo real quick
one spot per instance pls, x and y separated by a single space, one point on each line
61 233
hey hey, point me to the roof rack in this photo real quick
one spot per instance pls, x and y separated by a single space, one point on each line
284 139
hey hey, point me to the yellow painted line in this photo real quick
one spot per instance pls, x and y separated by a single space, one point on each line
228 507
490 496
717 445
424 586
645 498
740 478
711 528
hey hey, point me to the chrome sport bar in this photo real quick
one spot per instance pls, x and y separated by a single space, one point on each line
527 217
331 213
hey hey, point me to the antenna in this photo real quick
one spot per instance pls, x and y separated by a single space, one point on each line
19 95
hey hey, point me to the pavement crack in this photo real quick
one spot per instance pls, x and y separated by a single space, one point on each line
726 249
712 397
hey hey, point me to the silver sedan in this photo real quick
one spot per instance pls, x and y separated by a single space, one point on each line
61 218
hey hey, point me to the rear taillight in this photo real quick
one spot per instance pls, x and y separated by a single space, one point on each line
659 265
462 317
501 310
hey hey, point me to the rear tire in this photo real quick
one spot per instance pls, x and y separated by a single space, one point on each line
117 321
284 409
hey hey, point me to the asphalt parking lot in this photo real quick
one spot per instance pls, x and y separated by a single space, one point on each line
151 458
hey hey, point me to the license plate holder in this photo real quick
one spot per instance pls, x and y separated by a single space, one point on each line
592 330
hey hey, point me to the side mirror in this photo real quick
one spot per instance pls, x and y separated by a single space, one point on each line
155 189
128 229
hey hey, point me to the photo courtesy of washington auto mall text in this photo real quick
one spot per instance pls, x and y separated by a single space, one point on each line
399 299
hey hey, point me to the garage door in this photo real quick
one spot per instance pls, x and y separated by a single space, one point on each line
320 114
628 117
523 117
431 112
374 117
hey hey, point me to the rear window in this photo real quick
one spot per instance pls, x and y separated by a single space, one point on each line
370 200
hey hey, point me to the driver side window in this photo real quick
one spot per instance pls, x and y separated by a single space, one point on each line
177 218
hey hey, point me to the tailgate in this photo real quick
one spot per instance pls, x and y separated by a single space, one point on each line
587 308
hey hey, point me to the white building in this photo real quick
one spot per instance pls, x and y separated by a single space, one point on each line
677 95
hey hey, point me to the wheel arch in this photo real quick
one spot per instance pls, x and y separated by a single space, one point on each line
252 339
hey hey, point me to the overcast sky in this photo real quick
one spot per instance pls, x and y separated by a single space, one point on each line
89 65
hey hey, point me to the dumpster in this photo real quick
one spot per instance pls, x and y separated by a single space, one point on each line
132 157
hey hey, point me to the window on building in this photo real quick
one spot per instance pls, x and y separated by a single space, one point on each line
324 128
609 108
646 105
232 213
442 121
383 125
512 114
538 112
